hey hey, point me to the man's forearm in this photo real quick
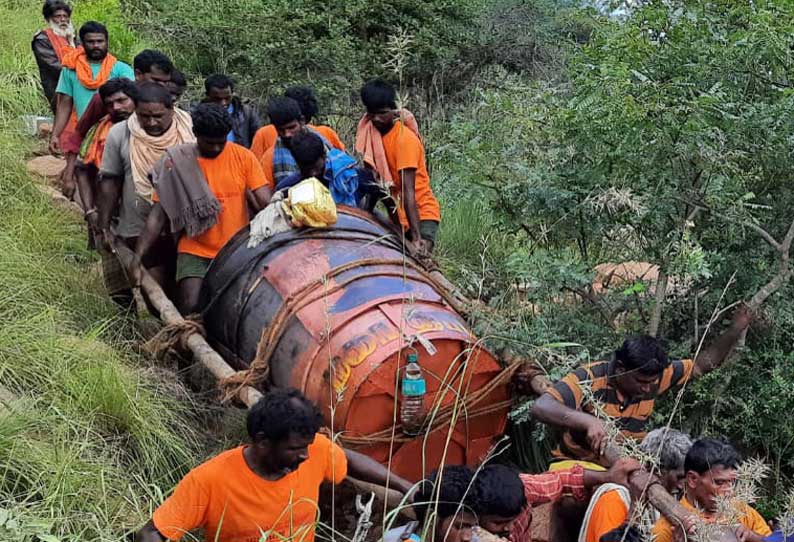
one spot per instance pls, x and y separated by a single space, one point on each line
548 410
86 189
409 202
154 225
594 478
149 533
368 470
413 219
713 356
262 197
106 200
61 114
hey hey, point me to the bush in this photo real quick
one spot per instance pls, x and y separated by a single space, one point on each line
666 135
268 45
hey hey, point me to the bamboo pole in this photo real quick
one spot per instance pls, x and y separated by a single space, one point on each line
197 344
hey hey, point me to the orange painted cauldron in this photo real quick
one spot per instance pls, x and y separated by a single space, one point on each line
340 308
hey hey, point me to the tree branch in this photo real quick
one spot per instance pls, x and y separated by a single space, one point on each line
787 240
598 303
785 271
766 235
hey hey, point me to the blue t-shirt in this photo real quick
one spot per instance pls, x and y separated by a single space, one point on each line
69 85
230 135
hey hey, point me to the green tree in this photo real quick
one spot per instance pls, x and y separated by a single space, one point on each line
667 139
269 44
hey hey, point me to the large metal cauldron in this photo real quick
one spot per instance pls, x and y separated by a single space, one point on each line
350 333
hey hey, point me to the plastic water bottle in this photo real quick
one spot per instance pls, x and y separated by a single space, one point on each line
414 389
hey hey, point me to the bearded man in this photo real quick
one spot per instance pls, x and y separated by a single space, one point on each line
51 44
85 69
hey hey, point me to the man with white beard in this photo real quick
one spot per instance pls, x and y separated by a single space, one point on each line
50 44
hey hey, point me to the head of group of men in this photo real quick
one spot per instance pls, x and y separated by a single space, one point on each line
492 497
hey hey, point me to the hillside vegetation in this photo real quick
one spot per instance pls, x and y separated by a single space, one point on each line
558 139
91 435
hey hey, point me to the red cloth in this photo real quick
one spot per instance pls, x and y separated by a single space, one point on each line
543 488
59 44
96 148
369 143
71 140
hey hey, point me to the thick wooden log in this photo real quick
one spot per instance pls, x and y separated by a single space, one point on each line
643 482
202 351
529 379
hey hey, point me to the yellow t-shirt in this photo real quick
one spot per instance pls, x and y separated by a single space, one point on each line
663 530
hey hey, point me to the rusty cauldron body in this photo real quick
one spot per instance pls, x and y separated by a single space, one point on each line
357 306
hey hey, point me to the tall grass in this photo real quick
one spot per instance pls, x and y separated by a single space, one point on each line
89 438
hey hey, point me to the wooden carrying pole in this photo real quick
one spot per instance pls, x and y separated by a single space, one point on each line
207 356
202 351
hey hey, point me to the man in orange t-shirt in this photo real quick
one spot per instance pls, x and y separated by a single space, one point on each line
710 467
267 490
266 136
418 211
229 170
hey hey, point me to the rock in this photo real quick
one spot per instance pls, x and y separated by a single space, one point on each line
45 129
621 275
46 166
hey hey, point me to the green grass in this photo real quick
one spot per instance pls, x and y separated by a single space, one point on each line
91 434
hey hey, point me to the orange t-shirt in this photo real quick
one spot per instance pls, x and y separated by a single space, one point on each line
330 136
233 504
266 137
228 175
267 167
404 150
609 513
663 531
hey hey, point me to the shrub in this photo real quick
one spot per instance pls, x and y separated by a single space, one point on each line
335 45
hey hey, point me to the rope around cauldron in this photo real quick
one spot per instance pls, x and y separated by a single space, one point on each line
258 373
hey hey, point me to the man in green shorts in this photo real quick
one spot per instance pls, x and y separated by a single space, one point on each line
200 192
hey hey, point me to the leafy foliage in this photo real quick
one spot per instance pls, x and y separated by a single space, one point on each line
271 44
124 42
666 136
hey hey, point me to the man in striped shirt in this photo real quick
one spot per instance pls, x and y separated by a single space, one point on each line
624 389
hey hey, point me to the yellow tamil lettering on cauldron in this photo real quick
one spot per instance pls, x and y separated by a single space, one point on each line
355 351
422 322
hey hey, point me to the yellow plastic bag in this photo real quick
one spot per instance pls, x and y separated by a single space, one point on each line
311 204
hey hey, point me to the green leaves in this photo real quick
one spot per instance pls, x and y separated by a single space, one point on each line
268 45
